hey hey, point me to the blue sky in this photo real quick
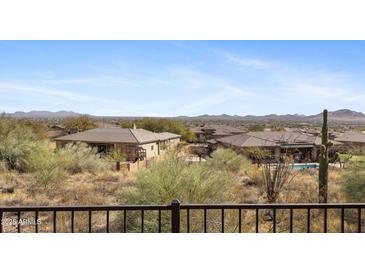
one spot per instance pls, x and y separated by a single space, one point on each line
169 78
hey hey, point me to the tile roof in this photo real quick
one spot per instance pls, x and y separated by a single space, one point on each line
284 137
270 139
118 135
219 130
245 140
351 136
168 135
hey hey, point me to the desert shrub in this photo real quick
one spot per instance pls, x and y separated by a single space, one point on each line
354 182
76 158
228 160
49 173
49 166
3 167
357 150
116 156
44 164
174 178
17 141
23 149
255 176
258 154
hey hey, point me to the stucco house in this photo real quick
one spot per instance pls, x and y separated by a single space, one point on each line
136 144
303 147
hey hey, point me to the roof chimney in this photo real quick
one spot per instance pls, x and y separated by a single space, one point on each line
134 126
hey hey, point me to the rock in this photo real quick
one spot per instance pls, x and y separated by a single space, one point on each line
7 189
248 182
267 215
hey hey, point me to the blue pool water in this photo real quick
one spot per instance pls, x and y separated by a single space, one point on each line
304 166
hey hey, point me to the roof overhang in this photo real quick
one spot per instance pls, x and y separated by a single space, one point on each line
297 146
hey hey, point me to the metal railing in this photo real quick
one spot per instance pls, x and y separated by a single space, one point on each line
180 217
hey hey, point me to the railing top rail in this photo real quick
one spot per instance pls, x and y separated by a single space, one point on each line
84 208
272 206
182 206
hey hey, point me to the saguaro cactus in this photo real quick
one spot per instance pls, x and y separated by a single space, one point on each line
323 162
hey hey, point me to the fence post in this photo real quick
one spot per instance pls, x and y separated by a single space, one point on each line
175 216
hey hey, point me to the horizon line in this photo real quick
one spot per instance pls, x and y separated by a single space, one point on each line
173 116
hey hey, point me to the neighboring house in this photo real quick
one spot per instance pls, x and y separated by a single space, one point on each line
54 131
303 147
351 138
211 132
136 144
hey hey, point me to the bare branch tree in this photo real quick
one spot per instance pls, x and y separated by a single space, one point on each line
276 176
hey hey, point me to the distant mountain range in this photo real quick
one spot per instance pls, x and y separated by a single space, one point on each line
345 116
44 114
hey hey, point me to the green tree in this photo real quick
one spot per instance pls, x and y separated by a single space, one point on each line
161 125
78 124
256 127
343 158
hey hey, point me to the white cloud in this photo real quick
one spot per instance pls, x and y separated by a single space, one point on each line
233 90
322 84
205 104
246 62
161 82
31 95
55 94
103 81
309 91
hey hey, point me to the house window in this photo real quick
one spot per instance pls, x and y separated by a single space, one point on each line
163 145
102 149
151 147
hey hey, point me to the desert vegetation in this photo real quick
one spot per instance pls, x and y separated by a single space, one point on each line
23 149
78 124
174 178
33 172
354 177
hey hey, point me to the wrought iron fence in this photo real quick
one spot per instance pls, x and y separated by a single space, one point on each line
186 218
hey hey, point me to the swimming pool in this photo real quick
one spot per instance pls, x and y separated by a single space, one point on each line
305 166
